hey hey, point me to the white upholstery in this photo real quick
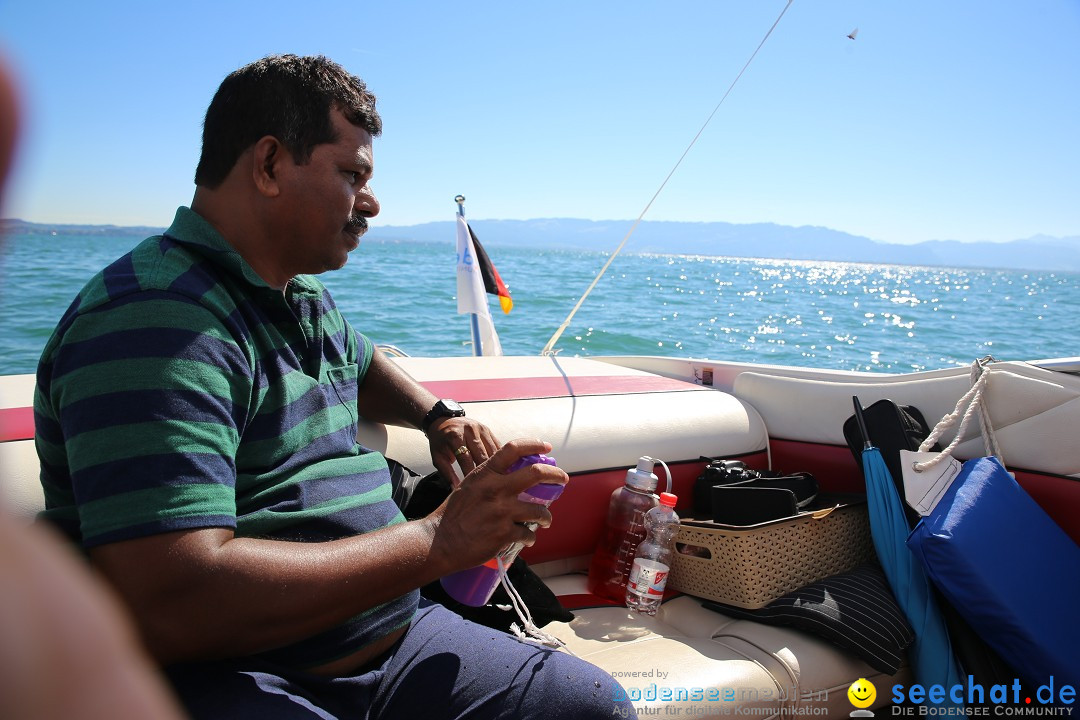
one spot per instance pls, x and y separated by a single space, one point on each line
1034 411
20 491
587 432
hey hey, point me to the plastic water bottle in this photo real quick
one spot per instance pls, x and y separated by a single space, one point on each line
652 561
623 531
475 586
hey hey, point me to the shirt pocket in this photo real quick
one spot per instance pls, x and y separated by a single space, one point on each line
343 380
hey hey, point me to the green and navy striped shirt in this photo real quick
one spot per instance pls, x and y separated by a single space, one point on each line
181 391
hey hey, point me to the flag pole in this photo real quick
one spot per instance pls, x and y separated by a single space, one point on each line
474 321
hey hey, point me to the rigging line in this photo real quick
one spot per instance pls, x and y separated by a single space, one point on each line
566 323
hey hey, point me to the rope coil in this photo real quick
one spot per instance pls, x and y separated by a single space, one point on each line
975 402
529 631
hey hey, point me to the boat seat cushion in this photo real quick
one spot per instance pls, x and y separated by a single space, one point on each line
704 662
583 408
854 609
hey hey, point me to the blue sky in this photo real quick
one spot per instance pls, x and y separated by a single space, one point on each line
944 119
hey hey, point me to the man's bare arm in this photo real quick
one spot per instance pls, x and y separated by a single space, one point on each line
204 594
391 396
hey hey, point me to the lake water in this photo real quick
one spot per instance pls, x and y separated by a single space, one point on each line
850 316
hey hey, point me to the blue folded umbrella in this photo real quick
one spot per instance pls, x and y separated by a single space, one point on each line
931 654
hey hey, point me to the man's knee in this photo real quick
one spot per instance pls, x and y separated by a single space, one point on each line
575 688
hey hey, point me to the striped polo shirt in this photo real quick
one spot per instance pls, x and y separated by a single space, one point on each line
181 391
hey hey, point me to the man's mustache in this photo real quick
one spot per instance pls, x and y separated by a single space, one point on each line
358 225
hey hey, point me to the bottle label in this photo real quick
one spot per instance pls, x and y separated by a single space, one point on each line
647 578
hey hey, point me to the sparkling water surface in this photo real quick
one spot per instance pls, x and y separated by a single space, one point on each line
848 316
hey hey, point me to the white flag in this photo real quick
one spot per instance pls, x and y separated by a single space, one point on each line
471 295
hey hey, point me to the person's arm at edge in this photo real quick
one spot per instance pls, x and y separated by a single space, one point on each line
68 649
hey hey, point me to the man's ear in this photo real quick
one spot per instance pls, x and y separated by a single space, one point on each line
267 157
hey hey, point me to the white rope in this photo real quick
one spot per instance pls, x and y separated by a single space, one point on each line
990 442
530 633
566 323
974 401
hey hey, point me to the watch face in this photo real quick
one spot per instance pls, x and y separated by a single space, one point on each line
442 409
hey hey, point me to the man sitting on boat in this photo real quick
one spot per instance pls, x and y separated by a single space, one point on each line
197 409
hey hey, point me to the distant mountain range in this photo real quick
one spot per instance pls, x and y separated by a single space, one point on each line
21 227
751 240
768 240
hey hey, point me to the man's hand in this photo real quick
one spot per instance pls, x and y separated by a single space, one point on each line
483 515
448 436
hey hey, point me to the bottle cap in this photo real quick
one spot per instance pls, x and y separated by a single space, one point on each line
668 499
641 477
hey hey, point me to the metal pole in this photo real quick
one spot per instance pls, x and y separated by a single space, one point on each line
474 321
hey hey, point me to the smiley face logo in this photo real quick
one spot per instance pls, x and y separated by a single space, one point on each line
862 693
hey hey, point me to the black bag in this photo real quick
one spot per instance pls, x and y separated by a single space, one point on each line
891 428
418 497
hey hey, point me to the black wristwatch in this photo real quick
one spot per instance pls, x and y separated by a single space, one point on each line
442 409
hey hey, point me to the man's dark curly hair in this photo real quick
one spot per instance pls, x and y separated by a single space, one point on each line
287 97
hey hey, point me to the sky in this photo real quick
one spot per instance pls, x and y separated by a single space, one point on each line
941 120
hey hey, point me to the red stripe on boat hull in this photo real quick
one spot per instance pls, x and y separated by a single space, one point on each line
532 388
835 469
832 465
16 424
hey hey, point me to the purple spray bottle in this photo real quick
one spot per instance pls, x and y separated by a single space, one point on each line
474 586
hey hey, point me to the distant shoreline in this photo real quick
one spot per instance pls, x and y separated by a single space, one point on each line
714 239
21 227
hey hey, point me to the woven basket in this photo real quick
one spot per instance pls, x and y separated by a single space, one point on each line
751 566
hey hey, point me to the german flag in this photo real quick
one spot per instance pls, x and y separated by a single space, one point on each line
493 284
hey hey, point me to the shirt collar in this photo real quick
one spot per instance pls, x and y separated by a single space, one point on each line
193 230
